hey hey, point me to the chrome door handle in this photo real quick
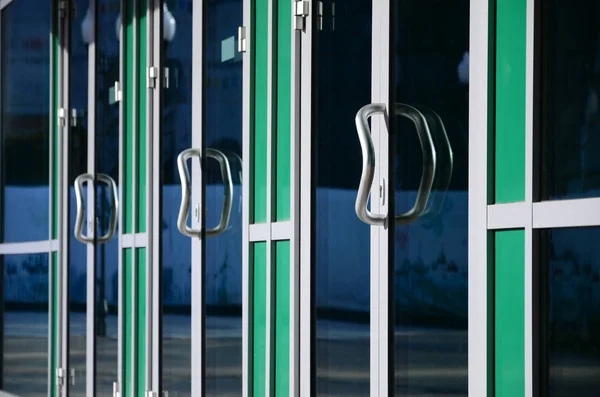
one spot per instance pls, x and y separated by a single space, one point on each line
78 185
79 181
429 163
368 168
114 209
368 171
184 176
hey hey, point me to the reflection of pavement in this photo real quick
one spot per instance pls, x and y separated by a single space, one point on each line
429 362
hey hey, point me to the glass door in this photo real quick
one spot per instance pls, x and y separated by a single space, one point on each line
200 189
384 196
91 119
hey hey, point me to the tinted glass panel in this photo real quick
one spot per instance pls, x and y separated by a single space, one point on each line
570 312
25 329
341 240
569 77
222 129
430 80
176 248
24 121
107 165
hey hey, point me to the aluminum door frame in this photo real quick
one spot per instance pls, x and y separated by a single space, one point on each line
480 86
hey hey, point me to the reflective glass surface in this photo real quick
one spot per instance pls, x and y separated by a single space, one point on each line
341 241
25 325
24 121
570 312
222 129
78 136
107 165
176 248
569 96
430 79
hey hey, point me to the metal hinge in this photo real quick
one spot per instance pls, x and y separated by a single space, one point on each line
319 15
242 39
73 124
301 11
118 93
60 376
166 79
150 393
62 118
116 392
62 8
152 76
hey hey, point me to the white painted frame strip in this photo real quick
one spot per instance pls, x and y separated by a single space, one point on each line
509 216
479 68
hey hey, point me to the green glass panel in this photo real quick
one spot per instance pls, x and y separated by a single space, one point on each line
509 329
261 100
127 336
259 312
127 97
143 133
283 110
141 320
510 100
282 318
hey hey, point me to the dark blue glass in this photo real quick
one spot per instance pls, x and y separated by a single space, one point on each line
176 248
24 121
342 85
429 62
569 102
570 312
25 324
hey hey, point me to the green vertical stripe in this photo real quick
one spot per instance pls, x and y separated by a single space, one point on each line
142 133
141 320
261 101
510 100
509 326
127 97
128 318
259 324
283 110
282 319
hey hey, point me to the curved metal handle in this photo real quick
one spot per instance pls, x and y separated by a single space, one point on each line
368 169
112 223
429 163
184 176
78 185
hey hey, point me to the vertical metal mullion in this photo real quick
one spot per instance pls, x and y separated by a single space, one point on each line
122 154
65 216
198 320
154 207
91 210
247 127
271 117
51 128
295 125
479 163
306 226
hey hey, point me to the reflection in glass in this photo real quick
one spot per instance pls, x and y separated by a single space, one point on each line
107 163
176 248
341 242
24 121
25 333
569 95
223 253
78 135
570 305
429 61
